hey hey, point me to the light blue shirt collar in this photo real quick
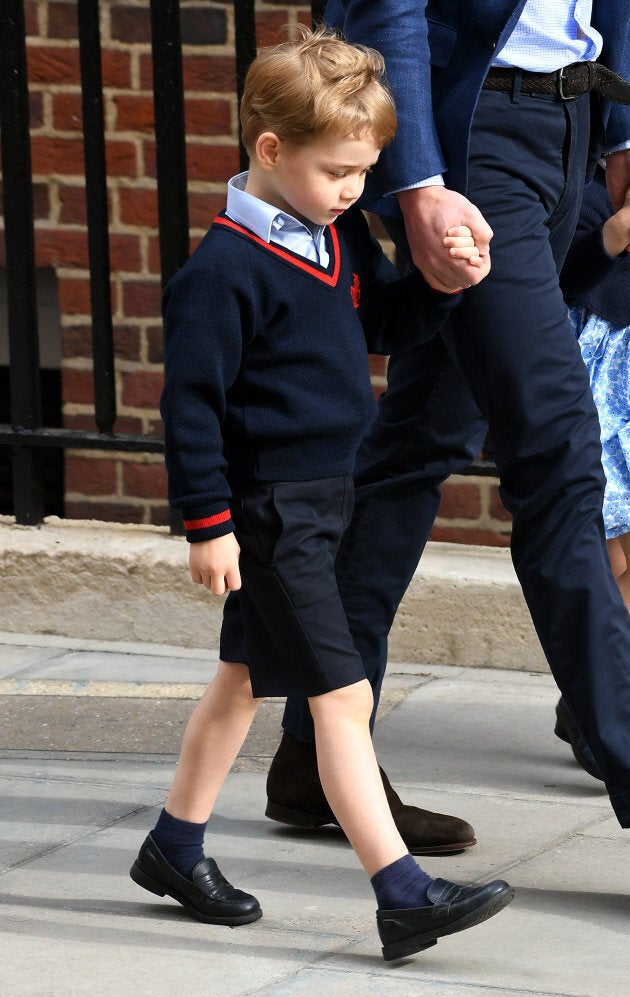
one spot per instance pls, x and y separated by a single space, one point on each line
273 225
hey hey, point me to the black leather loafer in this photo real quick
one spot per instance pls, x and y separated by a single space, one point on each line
452 909
207 895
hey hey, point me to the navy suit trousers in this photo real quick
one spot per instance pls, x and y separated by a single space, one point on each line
509 360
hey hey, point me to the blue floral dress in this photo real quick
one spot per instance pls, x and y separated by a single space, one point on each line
606 353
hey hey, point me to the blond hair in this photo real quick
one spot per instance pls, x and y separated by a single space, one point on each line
315 85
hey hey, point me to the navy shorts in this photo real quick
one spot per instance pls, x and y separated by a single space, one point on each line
287 623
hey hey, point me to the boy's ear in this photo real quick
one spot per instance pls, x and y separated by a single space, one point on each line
267 148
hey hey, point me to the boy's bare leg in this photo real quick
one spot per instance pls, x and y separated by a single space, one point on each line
171 860
413 909
350 775
213 738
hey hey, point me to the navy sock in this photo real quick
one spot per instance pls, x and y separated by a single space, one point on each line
180 842
401 884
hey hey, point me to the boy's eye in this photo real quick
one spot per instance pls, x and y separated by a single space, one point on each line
340 174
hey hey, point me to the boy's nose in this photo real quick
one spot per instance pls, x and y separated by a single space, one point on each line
353 188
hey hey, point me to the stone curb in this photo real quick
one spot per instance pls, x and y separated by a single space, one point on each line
99 581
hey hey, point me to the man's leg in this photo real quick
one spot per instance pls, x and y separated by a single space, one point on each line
293 530
412 446
525 370
537 450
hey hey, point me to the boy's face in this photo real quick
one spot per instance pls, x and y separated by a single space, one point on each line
318 181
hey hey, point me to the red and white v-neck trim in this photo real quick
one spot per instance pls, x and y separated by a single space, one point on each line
326 276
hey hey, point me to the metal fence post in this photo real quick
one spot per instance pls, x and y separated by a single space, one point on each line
97 216
26 403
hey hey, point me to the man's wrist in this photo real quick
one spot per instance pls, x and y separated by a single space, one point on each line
435 181
423 198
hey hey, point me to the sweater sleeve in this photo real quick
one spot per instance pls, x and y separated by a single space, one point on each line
205 311
406 313
587 262
396 312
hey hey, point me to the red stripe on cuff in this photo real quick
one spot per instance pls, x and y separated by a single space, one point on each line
202 524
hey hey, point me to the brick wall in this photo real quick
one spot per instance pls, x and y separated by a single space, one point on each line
132 487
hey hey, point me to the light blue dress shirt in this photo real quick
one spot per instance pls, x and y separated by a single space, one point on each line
272 225
551 34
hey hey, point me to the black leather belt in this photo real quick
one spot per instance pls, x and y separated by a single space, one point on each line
567 83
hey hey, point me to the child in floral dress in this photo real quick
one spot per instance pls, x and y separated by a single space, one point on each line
596 284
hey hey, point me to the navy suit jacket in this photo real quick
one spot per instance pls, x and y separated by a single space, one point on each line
437 54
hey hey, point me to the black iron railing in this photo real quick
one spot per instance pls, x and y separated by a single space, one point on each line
26 434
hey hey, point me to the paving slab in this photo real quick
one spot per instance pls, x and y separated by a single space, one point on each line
476 743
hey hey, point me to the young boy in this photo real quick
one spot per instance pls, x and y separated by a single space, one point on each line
266 396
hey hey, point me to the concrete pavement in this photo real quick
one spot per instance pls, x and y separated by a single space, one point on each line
88 740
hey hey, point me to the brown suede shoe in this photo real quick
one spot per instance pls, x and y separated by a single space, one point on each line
295 796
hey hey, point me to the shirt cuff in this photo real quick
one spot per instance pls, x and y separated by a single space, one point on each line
436 181
617 148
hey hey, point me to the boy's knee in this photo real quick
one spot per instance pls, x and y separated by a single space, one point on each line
355 700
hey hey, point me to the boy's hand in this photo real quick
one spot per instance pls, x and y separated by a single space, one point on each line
618 176
616 231
461 245
214 563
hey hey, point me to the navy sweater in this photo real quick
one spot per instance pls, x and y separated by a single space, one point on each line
590 277
266 360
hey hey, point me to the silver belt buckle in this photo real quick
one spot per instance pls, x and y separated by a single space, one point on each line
561 80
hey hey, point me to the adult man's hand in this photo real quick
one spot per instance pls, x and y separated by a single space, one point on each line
429 212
